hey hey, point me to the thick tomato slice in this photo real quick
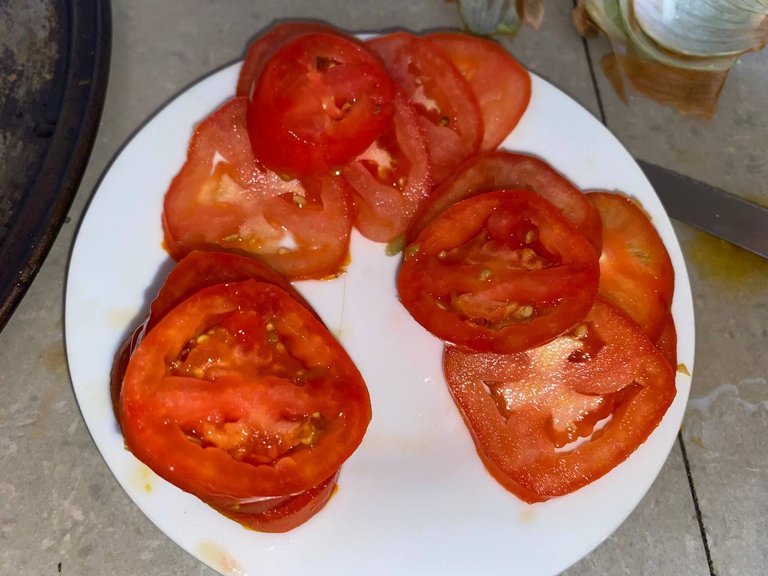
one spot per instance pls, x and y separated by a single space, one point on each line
264 46
520 407
194 272
503 271
500 84
242 397
391 179
320 100
636 273
224 198
502 169
448 109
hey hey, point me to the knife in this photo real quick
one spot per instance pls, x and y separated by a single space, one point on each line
711 209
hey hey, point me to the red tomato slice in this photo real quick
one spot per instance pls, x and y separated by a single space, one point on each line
502 271
241 396
194 272
223 198
264 46
500 84
636 273
320 101
517 406
502 169
448 109
391 179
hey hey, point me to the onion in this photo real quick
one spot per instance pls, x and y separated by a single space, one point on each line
705 27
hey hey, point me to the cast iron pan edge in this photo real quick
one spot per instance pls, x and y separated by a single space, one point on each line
50 197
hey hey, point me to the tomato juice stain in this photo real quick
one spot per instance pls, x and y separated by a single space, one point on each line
140 477
213 554
527 516
722 262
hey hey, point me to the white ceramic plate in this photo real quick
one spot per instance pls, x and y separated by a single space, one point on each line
415 498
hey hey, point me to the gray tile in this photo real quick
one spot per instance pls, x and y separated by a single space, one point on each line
660 537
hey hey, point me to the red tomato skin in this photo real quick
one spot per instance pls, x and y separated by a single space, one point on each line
308 118
265 45
289 513
503 169
386 194
224 199
636 273
152 419
448 109
500 84
561 294
516 450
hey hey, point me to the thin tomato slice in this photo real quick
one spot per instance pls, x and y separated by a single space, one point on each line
636 273
289 513
223 198
500 84
503 169
502 271
241 396
448 109
265 45
391 179
321 100
516 406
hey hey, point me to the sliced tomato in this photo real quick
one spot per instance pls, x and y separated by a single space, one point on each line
520 407
500 84
320 100
502 271
223 198
241 396
194 272
265 45
447 107
503 169
391 179
636 273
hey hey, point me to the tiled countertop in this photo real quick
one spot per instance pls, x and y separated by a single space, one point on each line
62 512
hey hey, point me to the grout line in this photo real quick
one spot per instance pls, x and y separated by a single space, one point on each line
592 75
696 507
694 496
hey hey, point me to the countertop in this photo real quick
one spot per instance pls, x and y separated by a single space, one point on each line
61 510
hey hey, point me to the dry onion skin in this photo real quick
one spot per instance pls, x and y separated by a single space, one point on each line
677 52
489 17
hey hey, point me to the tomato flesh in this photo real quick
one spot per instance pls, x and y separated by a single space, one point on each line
447 107
503 169
500 84
264 46
224 199
320 100
636 273
391 179
502 271
521 407
240 393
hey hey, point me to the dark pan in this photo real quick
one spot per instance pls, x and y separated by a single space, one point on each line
54 63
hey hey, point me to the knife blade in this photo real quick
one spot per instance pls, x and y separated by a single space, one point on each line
710 209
